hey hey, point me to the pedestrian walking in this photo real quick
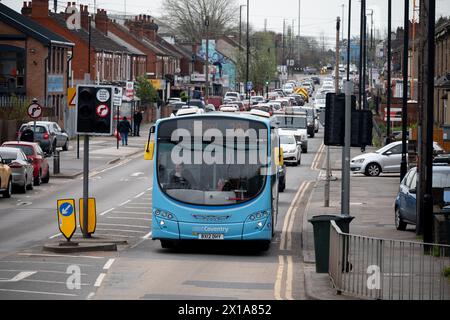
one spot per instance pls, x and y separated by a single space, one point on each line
124 130
137 118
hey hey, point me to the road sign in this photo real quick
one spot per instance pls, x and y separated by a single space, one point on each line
117 96
130 89
249 85
92 215
34 110
71 97
67 217
102 111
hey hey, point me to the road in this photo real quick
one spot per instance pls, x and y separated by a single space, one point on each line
141 269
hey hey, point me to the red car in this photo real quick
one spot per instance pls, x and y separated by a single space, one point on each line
34 152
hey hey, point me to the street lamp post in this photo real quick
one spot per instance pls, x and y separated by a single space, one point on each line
207 61
403 167
240 26
248 51
389 75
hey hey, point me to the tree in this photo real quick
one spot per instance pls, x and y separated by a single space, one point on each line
188 17
262 60
145 91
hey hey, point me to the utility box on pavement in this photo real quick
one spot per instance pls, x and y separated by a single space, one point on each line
321 226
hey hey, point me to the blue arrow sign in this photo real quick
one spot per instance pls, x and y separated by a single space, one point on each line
66 209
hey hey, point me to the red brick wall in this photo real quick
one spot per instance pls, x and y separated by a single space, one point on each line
151 56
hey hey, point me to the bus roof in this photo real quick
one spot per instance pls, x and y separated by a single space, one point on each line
231 115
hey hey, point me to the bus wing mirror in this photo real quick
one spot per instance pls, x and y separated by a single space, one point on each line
279 159
149 151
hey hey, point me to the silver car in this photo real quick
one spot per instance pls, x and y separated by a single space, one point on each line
21 167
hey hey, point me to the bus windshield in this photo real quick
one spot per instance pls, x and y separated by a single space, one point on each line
212 161
289 122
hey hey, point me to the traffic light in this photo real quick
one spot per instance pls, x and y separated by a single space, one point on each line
362 125
334 119
94 114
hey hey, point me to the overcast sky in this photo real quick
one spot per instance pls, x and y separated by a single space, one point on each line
317 16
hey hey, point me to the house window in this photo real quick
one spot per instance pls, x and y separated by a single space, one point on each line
12 69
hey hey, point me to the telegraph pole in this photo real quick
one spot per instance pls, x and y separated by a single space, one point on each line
298 41
389 76
403 167
364 66
425 143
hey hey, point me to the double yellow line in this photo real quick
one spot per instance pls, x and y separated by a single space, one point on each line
316 164
286 262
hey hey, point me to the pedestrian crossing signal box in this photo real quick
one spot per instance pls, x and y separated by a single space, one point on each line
94 110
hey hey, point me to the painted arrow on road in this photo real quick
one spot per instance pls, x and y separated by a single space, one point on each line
20 276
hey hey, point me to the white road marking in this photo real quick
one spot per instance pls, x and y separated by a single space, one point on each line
124 203
120 230
106 212
132 212
277 289
137 174
48 262
40 271
139 195
40 292
142 203
108 264
99 280
22 275
57 255
55 236
150 189
129 218
121 225
91 295
148 236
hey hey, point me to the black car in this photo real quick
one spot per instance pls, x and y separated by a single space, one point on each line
196 103
282 178
316 80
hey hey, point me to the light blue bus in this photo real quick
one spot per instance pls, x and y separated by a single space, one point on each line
215 178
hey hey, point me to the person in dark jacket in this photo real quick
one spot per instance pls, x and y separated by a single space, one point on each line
124 130
27 135
137 118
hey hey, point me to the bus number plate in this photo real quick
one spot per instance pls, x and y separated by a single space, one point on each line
211 236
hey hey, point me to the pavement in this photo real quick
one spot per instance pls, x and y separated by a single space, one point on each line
102 152
372 205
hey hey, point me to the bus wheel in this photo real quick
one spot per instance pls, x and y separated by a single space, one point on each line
167 244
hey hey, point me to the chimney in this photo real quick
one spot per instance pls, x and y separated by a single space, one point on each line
39 9
150 28
136 26
84 13
26 9
101 21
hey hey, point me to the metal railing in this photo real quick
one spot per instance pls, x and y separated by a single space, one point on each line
388 269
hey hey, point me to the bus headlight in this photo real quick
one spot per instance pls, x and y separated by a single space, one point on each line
164 214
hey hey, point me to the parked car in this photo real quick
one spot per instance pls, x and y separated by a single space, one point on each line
48 134
33 152
5 179
21 167
405 203
387 159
